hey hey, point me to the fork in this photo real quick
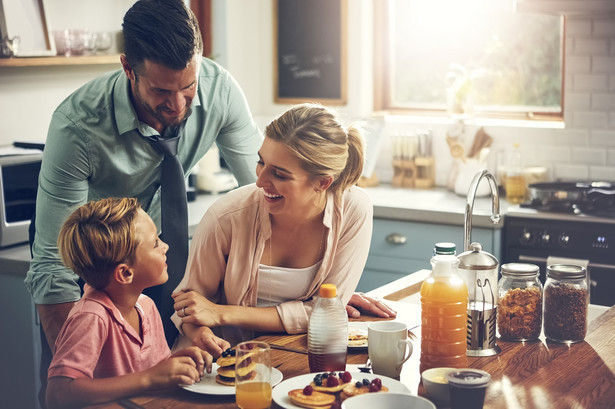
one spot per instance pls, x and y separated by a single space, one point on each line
367 368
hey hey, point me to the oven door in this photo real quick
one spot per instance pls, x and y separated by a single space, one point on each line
601 276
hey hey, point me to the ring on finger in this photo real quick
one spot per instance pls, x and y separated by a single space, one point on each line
184 312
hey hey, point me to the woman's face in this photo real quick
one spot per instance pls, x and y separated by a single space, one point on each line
287 187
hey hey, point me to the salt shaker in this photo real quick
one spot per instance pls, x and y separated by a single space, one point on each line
566 301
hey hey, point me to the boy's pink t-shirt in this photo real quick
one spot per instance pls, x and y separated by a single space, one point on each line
96 342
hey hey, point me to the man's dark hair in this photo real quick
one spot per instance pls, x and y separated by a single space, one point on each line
162 31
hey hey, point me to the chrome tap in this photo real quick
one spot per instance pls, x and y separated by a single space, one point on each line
495 206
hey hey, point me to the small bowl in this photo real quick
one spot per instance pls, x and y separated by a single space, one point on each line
436 384
387 401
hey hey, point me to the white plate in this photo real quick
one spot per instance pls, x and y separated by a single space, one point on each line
280 392
209 386
361 327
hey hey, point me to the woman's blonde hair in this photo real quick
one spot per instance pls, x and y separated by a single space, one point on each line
97 237
317 137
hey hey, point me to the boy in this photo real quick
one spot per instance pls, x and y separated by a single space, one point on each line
112 344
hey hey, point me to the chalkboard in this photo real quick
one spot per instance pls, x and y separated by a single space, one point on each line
310 51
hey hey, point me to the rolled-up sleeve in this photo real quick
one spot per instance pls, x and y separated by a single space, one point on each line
63 186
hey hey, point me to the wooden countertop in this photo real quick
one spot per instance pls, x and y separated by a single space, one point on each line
530 375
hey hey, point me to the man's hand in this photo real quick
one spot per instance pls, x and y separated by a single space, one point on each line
360 301
52 318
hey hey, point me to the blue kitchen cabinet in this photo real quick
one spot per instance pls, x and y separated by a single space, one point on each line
20 345
399 248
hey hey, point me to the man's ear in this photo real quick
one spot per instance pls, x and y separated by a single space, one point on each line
123 274
130 73
324 183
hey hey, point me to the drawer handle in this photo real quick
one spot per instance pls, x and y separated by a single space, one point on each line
396 238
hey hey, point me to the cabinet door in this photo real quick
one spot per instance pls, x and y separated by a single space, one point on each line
399 248
20 345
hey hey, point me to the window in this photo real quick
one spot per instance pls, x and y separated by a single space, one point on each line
465 57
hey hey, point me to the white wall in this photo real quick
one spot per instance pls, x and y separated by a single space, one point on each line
584 149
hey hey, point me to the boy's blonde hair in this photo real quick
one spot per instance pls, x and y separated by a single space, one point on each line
97 237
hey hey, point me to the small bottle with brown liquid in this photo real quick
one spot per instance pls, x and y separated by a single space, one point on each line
328 332
515 177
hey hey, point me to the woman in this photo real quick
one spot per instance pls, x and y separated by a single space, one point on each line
260 253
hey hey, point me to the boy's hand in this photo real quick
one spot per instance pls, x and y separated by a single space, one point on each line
173 371
202 359
204 338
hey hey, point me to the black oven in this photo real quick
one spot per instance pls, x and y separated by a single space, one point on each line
533 236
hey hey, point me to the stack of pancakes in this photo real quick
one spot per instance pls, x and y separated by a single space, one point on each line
323 397
226 370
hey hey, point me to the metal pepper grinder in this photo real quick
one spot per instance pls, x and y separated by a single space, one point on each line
479 270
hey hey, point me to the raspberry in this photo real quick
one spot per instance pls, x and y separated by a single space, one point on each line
308 390
373 388
377 382
332 381
346 377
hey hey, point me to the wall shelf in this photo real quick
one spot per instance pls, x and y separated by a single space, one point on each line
60 61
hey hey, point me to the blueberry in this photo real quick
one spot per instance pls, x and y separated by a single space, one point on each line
366 382
358 384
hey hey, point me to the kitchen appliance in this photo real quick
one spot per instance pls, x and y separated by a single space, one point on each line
570 222
18 186
210 176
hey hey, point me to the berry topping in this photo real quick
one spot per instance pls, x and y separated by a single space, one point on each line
335 405
377 382
365 382
373 388
308 390
333 381
358 384
345 377
325 375
318 380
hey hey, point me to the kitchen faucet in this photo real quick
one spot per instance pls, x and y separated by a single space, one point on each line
495 205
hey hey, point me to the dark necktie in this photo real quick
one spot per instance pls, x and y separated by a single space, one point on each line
174 220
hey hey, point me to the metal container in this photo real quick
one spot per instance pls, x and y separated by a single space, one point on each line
479 270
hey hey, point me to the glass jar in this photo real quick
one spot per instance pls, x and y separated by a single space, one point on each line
566 300
519 302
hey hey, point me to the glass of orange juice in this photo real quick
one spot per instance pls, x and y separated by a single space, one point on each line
253 375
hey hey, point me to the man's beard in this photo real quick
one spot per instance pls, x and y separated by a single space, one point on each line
156 112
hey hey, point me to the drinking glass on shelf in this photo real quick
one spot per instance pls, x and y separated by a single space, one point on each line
103 41
253 375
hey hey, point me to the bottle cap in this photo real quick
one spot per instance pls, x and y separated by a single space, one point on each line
445 248
328 290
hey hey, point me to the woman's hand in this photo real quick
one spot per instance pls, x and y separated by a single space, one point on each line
195 309
367 304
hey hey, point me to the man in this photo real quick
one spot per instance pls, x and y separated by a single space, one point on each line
98 144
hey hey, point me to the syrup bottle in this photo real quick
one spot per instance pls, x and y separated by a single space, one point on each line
328 332
444 300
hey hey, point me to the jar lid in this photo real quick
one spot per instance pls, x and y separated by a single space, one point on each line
569 271
328 290
444 248
477 259
468 378
520 270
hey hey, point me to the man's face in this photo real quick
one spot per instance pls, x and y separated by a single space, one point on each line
162 96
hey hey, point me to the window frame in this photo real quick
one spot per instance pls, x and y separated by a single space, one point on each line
382 83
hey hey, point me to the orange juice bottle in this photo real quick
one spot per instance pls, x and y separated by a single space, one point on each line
444 300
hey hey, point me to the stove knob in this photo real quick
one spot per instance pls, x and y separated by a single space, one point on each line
564 240
526 237
546 238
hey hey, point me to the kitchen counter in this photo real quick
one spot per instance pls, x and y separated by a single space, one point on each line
428 206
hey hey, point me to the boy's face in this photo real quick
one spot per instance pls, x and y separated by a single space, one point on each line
150 265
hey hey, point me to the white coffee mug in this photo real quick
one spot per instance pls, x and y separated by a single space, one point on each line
386 345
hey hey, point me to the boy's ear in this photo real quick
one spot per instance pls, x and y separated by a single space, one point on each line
123 274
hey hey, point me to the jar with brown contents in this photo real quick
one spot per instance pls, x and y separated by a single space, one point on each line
566 300
519 302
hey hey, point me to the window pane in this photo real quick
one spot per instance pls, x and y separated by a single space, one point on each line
511 62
